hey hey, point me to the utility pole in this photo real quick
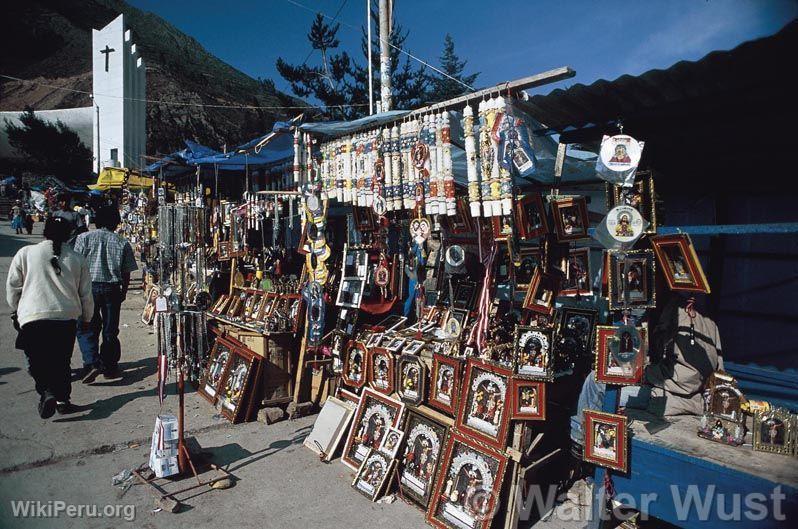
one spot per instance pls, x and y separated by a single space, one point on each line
371 78
385 56
98 137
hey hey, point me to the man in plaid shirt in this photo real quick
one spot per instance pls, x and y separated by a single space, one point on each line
111 261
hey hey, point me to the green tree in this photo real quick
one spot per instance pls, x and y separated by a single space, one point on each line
442 87
49 148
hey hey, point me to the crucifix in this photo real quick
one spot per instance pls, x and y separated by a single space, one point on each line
107 52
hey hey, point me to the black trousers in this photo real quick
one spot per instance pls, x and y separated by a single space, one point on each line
48 345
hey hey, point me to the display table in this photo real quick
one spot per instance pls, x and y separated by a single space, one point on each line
674 464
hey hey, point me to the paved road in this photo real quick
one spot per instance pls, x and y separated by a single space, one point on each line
72 458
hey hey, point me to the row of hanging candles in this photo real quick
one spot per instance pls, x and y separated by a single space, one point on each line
409 164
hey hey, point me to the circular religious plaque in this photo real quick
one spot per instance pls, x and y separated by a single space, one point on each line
624 224
620 153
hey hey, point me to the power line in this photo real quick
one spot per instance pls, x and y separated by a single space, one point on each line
182 103
397 48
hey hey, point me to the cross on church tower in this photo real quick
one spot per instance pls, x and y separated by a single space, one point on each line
107 52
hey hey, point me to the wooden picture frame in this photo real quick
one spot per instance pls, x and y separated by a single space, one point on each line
533 354
528 260
445 383
391 442
529 400
355 364
680 264
381 373
541 293
571 220
365 219
484 409
774 431
425 440
574 330
640 196
411 379
374 415
530 216
237 384
465 295
469 482
218 359
606 440
620 354
578 276
373 474
631 281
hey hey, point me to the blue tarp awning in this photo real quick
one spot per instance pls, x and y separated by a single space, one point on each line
342 128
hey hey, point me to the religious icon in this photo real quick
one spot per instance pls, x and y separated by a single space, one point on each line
606 440
354 364
445 382
373 474
680 263
723 420
541 292
528 259
631 279
381 370
570 218
484 411
639 196
217 364
236 384
469 483
577 277
573 337
775 431
530 216
375 414
419 461
620 354
391 441
620 156
412 381
620 153
532 352
529 400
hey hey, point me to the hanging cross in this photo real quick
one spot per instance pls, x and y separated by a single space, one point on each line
107 52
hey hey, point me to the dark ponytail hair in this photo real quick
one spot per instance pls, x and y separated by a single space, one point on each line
57 230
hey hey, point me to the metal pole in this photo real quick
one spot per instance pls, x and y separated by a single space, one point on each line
98 138
371 79
385 58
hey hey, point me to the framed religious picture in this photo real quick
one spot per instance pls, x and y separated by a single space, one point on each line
148 314
395 344
484 410
414 347
425 439
570 218
541 292
445 382
578 278
348 396
468 485
529 400
456 321
679 263
237 384
380 375
373 474
411 383
774 431
224 251
267 306
374 340
374 415
353 373
620 354
532 354
530 216
465 295
723 420
365 219
391 442
631 279
606 442
640 196
217 365
573 336
528 259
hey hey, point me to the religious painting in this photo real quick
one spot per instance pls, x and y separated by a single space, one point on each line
570 218
529 258
541 292
445 383
373 474
414 347
639 196
391 442
148 314
680 264
217 364
606 442
620 354
412 379
468 486
774 431
420 459
631 279
484 410
353 373
573 336
530 216
373 340
365 219
529 400
380 370
237 384
374 415
532 353
577 276
723 420
395 344
456 321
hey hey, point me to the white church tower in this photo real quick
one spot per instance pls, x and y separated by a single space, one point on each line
119 91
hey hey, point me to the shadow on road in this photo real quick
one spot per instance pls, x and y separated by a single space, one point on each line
10 244
133 372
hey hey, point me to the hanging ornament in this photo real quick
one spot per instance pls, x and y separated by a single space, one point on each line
618 159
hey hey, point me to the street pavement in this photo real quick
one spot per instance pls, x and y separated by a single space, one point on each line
69 460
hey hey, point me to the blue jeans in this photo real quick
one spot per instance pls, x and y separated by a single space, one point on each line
107 305
592 398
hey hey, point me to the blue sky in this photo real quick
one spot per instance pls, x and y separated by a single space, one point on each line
501 40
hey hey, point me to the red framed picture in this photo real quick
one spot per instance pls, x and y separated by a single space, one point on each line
380 375
355 362
236 388
530 216
467 486
577 274
570 218
484 409
620 354
374 415
529 400
348 396
679 263
445 382
541 292
218 359
606 440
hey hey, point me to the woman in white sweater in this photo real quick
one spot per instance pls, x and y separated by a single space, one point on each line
49 289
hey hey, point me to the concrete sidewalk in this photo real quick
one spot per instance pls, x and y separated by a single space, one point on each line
72 458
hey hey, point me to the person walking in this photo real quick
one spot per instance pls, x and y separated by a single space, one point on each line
111 262
49 290
74 218
17 217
